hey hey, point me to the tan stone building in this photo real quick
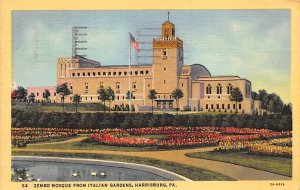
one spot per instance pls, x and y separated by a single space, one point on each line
202 92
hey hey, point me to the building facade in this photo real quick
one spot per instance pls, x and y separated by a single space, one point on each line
202 91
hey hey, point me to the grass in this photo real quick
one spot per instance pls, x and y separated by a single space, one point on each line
86 145
193 173
276 165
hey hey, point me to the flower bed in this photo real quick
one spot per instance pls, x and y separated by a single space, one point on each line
255 147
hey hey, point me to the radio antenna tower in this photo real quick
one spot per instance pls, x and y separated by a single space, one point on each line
78 38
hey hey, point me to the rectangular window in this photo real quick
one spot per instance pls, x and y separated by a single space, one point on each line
101 84
104 73
212 106
94 74
37 94
240 106
78 74
89 74
73 74
117 85
109 73
147 72
233 106
99 73
217 106
228 107
86 85
164 52
223 106
141 72
136 72
120 73
115 73
125 73
83 74
206 106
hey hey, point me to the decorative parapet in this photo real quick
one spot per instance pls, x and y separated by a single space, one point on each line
170 42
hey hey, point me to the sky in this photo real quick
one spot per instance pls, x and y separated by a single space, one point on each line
253 44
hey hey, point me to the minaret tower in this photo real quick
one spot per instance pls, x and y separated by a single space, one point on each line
167 60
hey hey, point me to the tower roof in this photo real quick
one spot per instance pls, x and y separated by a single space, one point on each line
168 21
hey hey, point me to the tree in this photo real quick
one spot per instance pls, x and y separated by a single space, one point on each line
31 98
46 95
287 109
262 96
129 96
63 91
21 93
254 95
110 95
152 97
177 94
103 96
76 101
236 96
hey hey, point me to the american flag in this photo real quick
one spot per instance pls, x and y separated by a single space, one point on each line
134 43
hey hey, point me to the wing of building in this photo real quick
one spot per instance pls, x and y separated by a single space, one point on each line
202 92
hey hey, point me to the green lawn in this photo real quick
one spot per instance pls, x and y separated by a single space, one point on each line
85 145
276 165
193 173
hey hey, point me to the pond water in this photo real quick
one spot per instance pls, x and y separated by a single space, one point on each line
63 171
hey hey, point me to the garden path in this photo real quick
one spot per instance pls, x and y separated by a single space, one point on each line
235 171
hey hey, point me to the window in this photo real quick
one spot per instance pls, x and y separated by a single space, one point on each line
218 106
71 98
141 72
158 96
223 106
240 106
83 74
98 97
208 89
104 73
164 53
117 85
94 74
134 85
206 106
85 98
164 96
37 94
212 106
219 97
109 73
170 96
182 84
148 85
71 87
219 89
136 72
54 93
99 73
120 73
165 81
115 73
165 69
101 84
118 98
147 72
228 106
229 88
91 98
89 74
125 73
233 106
73 74
78 74
86 85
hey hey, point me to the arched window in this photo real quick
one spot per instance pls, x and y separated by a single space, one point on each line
208 89
229 88
219 89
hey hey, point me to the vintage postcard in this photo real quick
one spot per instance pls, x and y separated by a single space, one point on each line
149 95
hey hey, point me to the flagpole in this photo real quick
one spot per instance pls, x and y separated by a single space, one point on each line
129 83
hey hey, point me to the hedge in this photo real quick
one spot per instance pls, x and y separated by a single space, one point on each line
29 118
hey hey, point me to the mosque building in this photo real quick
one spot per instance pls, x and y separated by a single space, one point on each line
201 90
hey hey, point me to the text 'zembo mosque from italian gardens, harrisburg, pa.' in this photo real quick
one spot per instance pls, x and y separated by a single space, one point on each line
201 90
